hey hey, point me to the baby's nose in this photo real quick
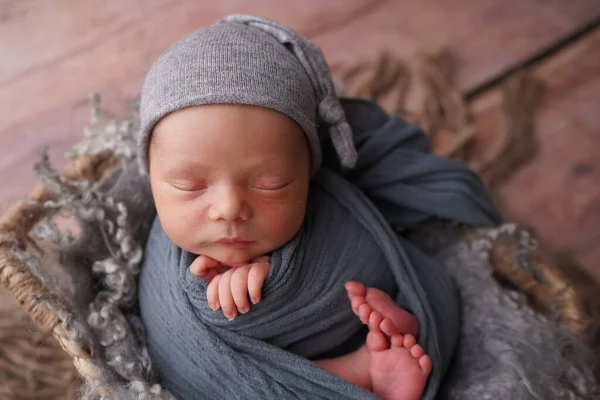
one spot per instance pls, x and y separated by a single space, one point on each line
228 204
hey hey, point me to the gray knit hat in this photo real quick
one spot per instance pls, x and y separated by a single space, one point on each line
247 60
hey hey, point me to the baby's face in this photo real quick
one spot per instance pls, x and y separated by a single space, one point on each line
229 181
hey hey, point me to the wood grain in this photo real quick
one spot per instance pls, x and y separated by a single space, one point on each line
558 194
484 37
57 52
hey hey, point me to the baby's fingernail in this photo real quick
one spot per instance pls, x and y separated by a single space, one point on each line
255 300
214 306
244 310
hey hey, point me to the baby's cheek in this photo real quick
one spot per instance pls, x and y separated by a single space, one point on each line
280 221
178 220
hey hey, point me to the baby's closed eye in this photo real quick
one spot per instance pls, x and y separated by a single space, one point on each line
269 183
189 185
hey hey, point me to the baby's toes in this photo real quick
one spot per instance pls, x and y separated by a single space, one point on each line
409 341
387 326
356 302
364 313
417 351
396 340
425 363
377 341
375 320
356 293
355 289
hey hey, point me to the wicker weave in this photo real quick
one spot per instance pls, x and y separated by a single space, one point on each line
32 364
47 310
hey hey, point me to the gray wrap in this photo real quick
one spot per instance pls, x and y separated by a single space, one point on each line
352 231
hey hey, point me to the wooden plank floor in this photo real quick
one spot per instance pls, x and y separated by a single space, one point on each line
558 194
53 54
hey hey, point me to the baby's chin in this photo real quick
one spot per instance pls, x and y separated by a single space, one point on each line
234 257
231 256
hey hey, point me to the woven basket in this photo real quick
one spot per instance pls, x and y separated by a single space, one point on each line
554 286
32 364
48 311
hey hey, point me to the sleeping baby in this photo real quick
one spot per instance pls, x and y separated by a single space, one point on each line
275 266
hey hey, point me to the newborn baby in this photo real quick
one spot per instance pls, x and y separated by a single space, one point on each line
231 183
277 202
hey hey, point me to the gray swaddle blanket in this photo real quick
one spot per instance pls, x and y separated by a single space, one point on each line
352 231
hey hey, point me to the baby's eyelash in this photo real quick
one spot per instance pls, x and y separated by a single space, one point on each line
191 187
275 186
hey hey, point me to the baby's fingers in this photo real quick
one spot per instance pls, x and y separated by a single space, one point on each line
260 259
212 293
225 295
202 267
256 278
239 289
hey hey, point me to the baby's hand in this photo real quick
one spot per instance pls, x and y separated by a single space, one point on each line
229 287
207 268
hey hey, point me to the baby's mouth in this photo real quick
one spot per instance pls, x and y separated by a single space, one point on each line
235 243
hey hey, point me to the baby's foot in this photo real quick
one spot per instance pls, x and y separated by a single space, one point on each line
399 367
377 310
